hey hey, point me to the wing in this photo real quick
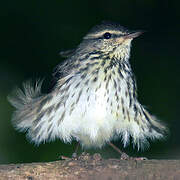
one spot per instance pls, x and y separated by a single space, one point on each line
63 69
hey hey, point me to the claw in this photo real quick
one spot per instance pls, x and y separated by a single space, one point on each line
124 156
64 158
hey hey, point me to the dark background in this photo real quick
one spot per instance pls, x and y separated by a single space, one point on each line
33 32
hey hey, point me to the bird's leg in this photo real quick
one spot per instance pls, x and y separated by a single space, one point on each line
123 155
74 155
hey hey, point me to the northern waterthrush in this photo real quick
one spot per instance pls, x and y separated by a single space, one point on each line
93 96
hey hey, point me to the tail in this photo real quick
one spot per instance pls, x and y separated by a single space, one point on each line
151 129
143 128
29 115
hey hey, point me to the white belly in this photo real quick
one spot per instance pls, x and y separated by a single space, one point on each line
94 118
91 121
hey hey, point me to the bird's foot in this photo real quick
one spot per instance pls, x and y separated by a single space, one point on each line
87 157
83 156
74 155
65 158
124 156
140 158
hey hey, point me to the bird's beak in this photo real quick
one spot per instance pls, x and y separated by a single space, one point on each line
133 34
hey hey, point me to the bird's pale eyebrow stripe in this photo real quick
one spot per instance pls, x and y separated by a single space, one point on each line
101 33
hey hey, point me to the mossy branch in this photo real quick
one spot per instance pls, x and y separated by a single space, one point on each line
93 168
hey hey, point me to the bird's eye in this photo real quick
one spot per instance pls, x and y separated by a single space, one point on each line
107 35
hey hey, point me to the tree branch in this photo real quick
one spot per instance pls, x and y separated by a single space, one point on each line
93 168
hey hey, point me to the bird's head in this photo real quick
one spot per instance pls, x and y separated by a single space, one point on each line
110 39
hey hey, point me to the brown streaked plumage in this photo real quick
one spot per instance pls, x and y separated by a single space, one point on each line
93 96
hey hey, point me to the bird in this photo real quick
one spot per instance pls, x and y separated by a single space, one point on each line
92 98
